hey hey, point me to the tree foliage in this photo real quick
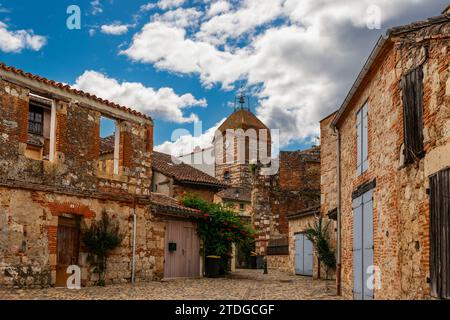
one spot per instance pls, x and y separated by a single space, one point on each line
220 227
318 235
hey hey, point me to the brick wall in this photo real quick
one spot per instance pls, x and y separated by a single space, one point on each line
293 188
401 218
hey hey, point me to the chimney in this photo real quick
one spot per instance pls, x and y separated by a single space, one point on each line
446 10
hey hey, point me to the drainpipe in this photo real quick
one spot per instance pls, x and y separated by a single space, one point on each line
338 218
133 259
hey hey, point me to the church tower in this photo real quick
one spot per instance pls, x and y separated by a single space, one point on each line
238 142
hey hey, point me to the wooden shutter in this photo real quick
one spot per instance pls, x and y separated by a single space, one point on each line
358 277
412 91
440 234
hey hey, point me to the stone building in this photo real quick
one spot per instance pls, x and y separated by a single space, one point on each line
175 179
294 188
54 182
242 148
391 174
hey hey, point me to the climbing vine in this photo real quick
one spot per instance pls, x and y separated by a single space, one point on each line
100 239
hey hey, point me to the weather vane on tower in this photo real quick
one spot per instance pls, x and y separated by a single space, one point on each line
241 99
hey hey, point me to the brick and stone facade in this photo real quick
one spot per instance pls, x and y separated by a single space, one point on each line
400 200
294 188
37 191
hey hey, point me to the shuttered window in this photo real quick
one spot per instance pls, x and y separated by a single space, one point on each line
440 234
362 139
412 92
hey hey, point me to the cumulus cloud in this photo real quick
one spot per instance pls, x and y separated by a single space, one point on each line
114 29
218 7
180 17
251 14
302 65
162 103
17 40
185 143
168 4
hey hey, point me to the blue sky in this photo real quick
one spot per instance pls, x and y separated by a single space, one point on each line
181 61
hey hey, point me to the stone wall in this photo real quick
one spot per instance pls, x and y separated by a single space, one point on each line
29 238
401 213
33 193
279 262
290 190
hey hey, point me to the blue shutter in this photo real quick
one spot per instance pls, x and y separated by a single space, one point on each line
367 241
358 143
299 253
357 249
365 133
308 257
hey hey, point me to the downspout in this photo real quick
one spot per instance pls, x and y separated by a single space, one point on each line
338 217
133 259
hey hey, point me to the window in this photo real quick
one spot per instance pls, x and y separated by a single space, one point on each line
36 120
440 234
109 146
226 176
412 92
362 139
241 206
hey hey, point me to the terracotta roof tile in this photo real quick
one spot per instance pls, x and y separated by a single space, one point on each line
72 90
162 204
236 194
182 172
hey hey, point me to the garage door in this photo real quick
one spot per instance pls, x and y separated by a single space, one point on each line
182 250
303 255
362 246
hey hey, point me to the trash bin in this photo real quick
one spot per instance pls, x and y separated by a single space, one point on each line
212 266
252 262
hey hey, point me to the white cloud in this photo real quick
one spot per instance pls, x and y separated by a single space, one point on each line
169 4
96 7
114 29
163 103
218 7
179 17
302 66
16 41
251 14
185 143
147 7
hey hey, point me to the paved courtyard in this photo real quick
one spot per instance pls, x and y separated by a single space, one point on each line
241 285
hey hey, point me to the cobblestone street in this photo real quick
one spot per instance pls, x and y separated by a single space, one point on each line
241 285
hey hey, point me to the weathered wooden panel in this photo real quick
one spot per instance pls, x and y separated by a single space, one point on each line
68 246
412 91
184 261
440 234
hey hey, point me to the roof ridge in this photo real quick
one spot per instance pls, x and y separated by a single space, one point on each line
68 88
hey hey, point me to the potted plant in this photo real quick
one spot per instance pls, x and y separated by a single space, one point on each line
219 227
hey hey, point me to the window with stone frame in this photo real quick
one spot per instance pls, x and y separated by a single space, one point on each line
412 94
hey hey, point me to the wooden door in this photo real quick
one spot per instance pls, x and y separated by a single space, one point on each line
184 261
68 246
